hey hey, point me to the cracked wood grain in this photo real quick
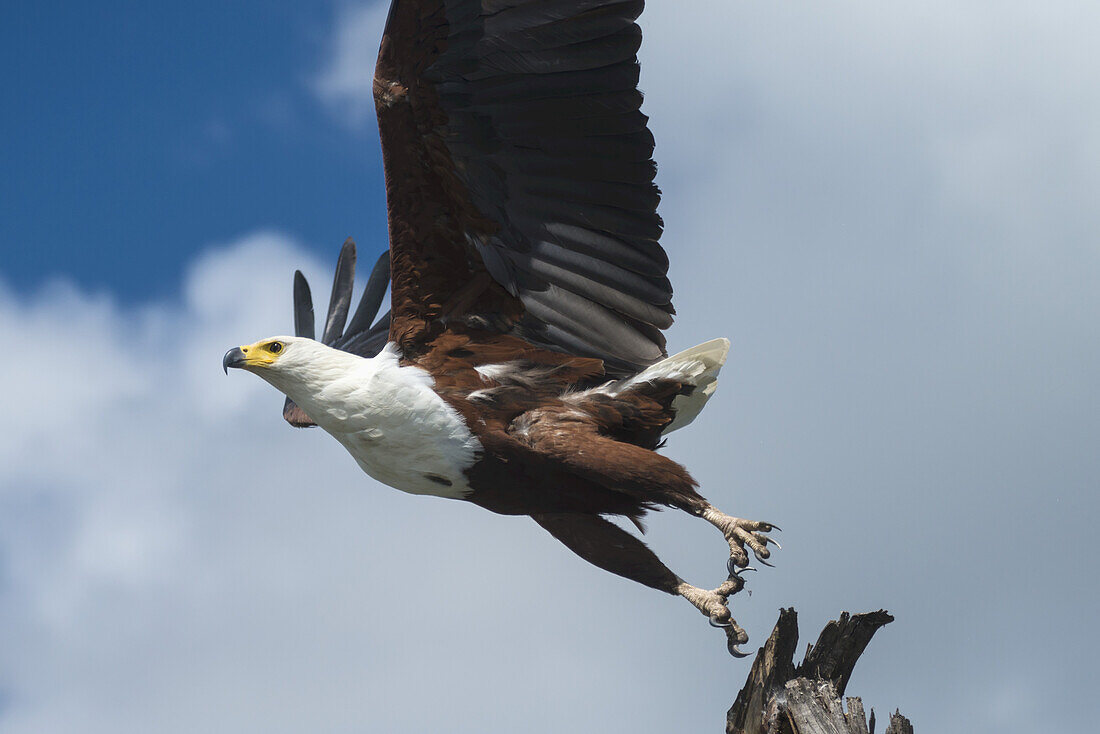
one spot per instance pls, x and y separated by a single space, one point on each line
781 698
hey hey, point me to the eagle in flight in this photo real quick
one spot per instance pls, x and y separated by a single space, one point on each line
522 365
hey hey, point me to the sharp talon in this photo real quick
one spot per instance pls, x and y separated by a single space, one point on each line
733 568
721 625
748 568
774 527
736 651
773 542
764 562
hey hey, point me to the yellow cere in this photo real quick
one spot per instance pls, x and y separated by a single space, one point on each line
262 354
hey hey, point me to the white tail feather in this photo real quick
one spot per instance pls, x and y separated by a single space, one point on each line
698 366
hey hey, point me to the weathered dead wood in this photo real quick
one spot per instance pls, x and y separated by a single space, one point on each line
781 698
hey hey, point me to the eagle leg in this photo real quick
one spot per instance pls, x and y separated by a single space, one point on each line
611 548
642 474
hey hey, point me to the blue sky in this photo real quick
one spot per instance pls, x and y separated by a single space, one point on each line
135 134
889 208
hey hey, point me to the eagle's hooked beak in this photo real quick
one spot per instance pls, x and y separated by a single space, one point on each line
233 358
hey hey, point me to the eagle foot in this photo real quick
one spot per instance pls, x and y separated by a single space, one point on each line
713 605
740 533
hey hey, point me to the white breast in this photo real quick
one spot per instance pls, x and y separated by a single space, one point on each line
398 429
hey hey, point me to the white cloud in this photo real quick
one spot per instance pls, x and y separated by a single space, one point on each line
345 81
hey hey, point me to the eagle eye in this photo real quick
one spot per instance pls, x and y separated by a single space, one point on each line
275 347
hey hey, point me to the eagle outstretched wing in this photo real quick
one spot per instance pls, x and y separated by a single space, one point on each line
519 176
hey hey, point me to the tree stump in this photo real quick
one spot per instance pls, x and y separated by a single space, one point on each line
782 698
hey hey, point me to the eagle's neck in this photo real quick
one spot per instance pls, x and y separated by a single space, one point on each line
330 385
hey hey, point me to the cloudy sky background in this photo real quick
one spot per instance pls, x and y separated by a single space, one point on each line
889 208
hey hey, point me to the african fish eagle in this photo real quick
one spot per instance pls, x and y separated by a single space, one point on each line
522 365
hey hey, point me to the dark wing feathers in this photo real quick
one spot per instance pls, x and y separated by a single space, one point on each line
578 245
619 341
529 149
373 294
542 165
618 290
303 307
370 342
360 338
489 60
340 301
517 89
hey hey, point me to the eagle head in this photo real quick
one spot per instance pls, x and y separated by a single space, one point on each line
294 365
263 355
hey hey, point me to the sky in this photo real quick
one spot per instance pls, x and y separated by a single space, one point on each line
889 208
